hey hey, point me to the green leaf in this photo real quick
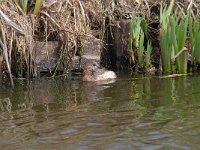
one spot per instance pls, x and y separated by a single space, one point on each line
23 4
37 7
148 54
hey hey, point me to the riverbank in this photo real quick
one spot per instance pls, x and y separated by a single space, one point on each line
58 37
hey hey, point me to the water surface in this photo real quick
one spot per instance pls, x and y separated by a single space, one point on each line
144 113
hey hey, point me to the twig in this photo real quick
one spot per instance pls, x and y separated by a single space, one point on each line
190 5
147 8
171 76
11 23
46 14
50 3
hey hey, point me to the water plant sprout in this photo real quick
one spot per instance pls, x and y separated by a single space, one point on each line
137 34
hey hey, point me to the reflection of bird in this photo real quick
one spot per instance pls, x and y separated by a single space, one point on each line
96 73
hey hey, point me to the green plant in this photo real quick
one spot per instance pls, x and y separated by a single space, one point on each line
173 45
131 37
164 15
37 7
181 33
194 40
166 50
178 39
24 6
140 49
165 37
173 38
148 55
138 30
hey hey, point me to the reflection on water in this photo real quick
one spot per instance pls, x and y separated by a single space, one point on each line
127 114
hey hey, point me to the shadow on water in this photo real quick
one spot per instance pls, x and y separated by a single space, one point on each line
144 114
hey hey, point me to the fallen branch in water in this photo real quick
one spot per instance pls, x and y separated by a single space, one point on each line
154 77
171 76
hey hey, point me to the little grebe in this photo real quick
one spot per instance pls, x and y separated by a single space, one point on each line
96 73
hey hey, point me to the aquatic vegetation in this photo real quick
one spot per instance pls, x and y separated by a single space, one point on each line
194 30
173 39
164 15
166 50
135 34
165 37
138 30
179 43
140 49
148 55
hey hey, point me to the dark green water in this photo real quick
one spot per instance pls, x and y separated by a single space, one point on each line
146 114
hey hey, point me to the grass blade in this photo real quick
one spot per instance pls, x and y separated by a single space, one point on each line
37 7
